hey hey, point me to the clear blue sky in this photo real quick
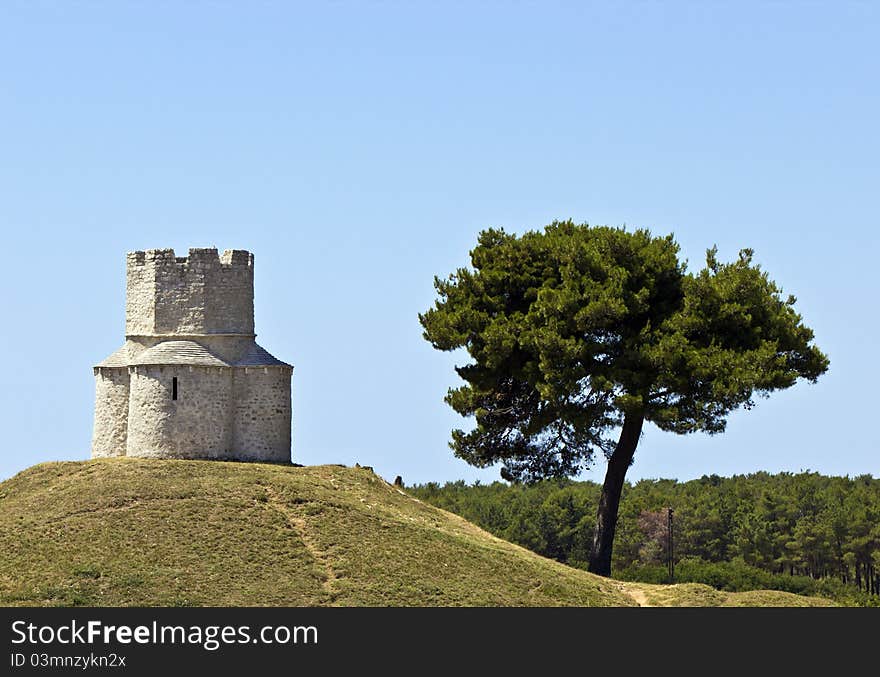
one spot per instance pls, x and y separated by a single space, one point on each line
358 148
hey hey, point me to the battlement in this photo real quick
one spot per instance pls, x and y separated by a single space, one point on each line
202 293
200 256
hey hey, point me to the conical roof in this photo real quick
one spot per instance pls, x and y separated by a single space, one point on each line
257 356
179 352
117 359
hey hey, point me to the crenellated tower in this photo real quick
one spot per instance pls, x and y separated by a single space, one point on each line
199 294
190 380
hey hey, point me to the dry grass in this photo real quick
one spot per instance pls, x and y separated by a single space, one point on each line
696 594
126 532
138 532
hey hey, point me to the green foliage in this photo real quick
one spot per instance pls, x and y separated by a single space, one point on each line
803 533
572 328
737 576
553 518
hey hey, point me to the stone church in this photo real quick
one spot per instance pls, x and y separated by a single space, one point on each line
190 380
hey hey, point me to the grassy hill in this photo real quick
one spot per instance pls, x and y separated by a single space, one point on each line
138 532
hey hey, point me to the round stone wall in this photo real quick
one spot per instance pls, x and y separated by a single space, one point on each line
111 412
198 424
262 413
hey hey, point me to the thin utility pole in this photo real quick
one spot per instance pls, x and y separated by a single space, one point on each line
671 553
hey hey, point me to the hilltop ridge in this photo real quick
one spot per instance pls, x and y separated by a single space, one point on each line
126 532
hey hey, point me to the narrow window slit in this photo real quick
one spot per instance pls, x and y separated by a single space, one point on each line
174 388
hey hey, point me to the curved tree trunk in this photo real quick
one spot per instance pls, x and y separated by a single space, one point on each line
609 501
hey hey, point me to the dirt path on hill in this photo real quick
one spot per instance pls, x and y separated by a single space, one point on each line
636 595
301 528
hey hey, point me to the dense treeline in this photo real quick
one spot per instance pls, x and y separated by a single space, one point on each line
803 532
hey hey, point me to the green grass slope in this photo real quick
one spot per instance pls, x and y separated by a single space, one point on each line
163 533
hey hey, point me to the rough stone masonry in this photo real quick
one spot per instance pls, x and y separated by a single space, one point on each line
190 380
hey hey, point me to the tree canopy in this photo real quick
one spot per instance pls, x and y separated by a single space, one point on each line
575 331
804 533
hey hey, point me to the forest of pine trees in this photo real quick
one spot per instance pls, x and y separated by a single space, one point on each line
805 532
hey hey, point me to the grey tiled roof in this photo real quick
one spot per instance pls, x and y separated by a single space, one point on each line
190 352
117 359
179 352
257 356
